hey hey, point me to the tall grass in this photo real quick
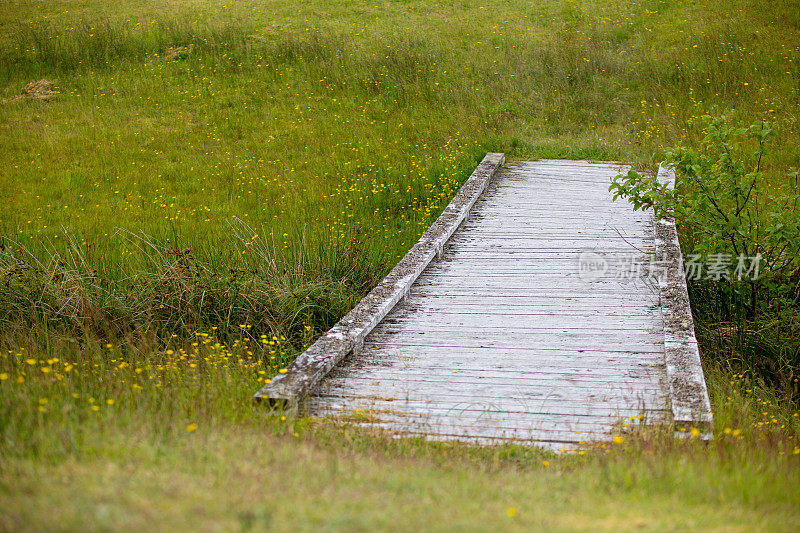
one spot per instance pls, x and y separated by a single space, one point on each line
178 291
51 48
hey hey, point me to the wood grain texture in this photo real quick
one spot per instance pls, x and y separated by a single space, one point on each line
503 336
687 385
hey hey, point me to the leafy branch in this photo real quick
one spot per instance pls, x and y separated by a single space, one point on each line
722 196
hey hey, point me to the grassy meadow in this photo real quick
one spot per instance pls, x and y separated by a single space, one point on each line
193 191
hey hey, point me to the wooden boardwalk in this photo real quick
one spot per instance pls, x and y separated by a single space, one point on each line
539 319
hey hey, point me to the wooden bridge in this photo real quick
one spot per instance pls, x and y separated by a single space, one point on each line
534 309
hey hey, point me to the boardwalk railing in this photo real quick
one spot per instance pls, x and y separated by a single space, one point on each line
348 334
687 386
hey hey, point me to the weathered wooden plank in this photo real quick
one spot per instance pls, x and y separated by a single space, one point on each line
604 365
541 253
411 360
570 428
606 294
608 297
456 307
575 426
533 256
523 374
531 274
609 356
581 164
477 434
520 201
366 396
548 224
521 303
532 380
406 417
492 236
567 351
508 430
533 281
599 358
530 280
540 216
625 342
536 228
567 409
480 249
423 325
527 285
544 294
565 199
545 323
553 446
601 215
558 198
427 389
565 175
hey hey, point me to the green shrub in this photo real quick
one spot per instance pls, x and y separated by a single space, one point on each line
730 210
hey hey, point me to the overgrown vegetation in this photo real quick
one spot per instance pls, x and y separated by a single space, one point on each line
744 231
733 214
194 190
280 290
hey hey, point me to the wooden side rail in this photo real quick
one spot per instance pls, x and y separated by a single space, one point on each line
348 334
687 386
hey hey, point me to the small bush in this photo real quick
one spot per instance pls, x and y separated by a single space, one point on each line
731 210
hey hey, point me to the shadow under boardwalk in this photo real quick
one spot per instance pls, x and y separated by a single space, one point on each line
540 320
518 332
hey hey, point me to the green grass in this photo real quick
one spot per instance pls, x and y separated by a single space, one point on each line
239 169
235 478
134 465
